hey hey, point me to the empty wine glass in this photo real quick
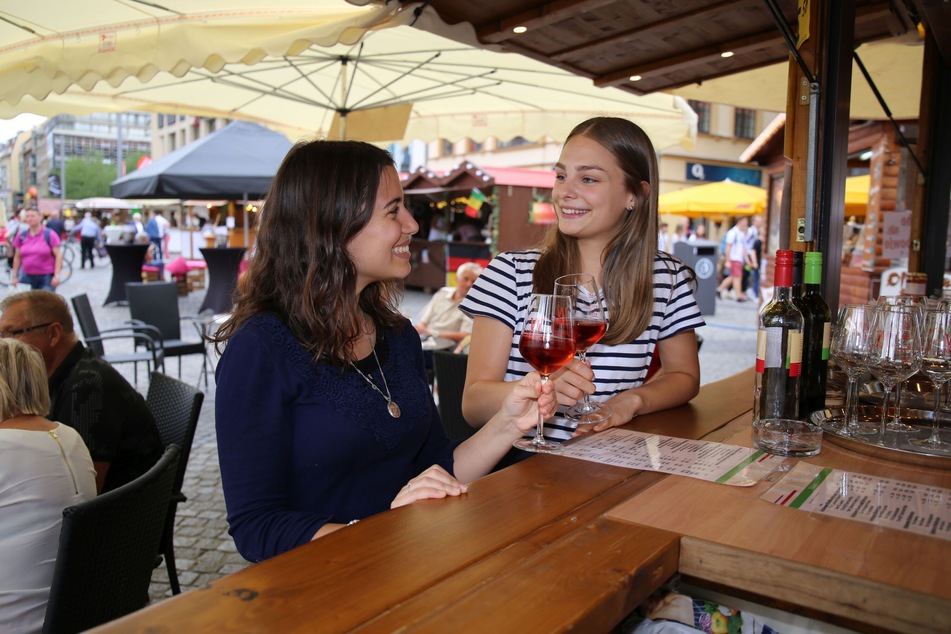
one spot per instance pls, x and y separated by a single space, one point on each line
936 363
917 303
590 326
850 350
547 343
895 352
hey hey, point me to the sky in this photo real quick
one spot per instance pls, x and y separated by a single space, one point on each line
10 127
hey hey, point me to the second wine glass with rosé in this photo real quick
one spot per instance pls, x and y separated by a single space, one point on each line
547 343
590 325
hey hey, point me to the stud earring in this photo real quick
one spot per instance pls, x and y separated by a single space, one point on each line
630 208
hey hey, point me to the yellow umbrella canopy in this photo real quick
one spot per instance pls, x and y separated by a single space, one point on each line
725 198
856 195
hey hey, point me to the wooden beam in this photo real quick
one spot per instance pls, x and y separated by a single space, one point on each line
542 15
707 53
647 29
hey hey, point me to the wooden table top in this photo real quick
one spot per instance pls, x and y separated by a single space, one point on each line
554 543
845 571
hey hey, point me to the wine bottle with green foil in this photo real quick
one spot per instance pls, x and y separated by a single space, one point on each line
779 348
816 335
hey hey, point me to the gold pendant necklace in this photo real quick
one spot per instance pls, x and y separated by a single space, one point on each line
391 406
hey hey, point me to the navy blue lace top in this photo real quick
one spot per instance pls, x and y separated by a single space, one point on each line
302 444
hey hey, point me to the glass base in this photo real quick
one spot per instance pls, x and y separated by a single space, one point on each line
899 428
586 418
538 445
925 444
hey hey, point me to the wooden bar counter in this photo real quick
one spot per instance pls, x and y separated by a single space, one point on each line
547 545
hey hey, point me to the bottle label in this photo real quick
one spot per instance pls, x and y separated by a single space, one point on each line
826 338
769 349
793 351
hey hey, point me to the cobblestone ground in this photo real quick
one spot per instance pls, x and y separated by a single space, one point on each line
203 548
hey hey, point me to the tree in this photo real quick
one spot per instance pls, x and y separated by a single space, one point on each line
131 160
89 176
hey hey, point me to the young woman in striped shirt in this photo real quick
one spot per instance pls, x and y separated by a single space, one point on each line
605 197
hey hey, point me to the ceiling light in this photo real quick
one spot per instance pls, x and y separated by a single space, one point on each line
635 77
520 29
726 54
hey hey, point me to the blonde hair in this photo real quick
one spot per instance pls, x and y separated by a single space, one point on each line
23 382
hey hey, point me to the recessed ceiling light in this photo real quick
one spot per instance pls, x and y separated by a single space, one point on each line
635 77
520 29
726 54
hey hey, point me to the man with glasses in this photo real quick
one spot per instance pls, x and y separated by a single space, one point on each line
86 393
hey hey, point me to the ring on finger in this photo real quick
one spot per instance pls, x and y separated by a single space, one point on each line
409 487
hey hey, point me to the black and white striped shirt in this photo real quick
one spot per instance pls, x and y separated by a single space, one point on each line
502 292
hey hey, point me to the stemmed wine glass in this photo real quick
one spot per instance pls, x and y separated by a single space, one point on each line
850 349
895 352
918 304
590 326
547 343
936 363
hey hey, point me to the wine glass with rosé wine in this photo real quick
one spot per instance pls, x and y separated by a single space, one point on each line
547 343
590 326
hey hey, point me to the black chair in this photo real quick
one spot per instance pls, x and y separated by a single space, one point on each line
175 406
107 549
153 356
127 261
156 305
223 267
450 381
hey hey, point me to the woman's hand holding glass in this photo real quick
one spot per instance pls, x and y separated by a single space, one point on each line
590 325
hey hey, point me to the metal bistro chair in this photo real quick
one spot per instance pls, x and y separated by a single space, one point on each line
153 356
450 380
156 305
107 549
175 406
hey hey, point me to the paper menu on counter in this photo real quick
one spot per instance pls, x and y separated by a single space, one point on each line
711 461
907 506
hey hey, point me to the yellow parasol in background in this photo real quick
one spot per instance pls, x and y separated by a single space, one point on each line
856 195
714 201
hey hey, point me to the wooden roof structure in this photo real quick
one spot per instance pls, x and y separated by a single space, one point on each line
672 43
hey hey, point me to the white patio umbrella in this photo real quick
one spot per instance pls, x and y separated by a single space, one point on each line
397 84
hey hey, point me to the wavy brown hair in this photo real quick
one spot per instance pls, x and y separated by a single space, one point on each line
628 261
322 196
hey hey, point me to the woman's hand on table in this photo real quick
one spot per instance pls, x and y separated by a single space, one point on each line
433 483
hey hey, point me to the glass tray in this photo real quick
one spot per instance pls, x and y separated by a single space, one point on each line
896 446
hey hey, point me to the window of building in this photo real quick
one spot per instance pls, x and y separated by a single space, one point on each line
514 142
702 108
446 147
744 121
474 146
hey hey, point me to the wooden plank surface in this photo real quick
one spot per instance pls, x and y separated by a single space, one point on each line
417 566
880 577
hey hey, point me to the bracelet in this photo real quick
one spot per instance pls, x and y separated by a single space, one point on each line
352 522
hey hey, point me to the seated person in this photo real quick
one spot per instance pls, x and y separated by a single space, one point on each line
87 393
441 317
45 468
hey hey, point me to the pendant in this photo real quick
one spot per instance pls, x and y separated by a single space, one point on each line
393 409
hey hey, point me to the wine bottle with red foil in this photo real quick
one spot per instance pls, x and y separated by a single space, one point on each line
779 348
816 335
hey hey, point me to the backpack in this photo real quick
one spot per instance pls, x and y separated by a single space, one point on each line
46 236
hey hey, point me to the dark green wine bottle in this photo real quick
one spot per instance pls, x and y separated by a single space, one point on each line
779 348
817 322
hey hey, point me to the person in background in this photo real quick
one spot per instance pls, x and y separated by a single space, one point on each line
735 251
45 468
336 421
699 233
754 257
677 237
87 393
38 258
90 235
137 225
56 224
605 199
663 241
441 317
156 229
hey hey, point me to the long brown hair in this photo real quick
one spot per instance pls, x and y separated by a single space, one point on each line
628 261
322 196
